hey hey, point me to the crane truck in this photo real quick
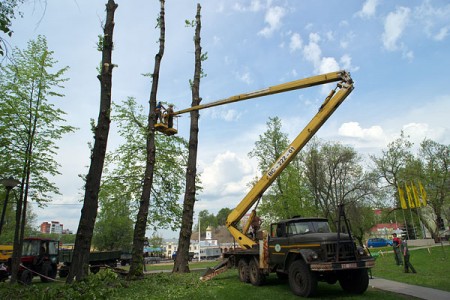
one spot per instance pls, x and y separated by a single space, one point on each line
302 250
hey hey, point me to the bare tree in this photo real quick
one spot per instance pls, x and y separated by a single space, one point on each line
136 267
80 260
182 259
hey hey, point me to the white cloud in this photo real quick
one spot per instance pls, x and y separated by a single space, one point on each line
228 115
227 175
353 129
345 41
442 34
394 26
244 77
312 51
330 35
296 42
254 6
434 21
346 63
273 19
369 9
328 64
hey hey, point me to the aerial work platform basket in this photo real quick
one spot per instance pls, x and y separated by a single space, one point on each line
161 127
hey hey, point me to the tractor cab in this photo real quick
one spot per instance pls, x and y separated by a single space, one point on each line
39 258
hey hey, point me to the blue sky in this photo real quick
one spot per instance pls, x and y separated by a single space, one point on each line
396 51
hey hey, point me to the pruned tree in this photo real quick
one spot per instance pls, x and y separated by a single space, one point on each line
182 259
79 266
30 124
136 267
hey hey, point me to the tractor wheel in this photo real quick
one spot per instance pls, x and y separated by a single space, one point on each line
302 281
26 277
243 270
256 276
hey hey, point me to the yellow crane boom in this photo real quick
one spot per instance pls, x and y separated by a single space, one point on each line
331 103
280 88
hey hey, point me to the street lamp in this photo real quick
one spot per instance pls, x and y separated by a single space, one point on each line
9 184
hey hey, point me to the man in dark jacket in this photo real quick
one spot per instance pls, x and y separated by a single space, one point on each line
407 263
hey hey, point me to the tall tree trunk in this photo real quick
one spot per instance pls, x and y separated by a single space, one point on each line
182 259
136 267
80 261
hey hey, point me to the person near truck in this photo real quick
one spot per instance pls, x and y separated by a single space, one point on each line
256 224
396 244
406 256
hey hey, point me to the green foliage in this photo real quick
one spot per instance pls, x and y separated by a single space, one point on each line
103 285
155 241
189 23
124 170
287 196
336 176
100 43
30 122
222 216
398 164
8 10
207 219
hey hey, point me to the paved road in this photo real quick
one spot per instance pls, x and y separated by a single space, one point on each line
408 289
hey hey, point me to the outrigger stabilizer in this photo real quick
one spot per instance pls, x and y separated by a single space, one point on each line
216 270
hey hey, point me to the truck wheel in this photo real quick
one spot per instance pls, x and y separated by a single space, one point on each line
94 270
26 277
256 276
354 281
302 281
243 271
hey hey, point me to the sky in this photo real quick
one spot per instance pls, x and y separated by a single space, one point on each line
396 51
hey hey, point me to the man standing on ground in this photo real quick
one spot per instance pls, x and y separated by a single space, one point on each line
405 251
396 242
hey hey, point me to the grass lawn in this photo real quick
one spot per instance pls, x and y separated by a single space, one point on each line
432 267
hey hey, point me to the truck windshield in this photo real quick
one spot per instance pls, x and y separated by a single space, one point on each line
303 227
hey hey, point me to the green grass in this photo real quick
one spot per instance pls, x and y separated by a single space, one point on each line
432 266
228 286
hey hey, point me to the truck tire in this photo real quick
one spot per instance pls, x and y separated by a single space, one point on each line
257 278
243 271
354 281
302 281
26 277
